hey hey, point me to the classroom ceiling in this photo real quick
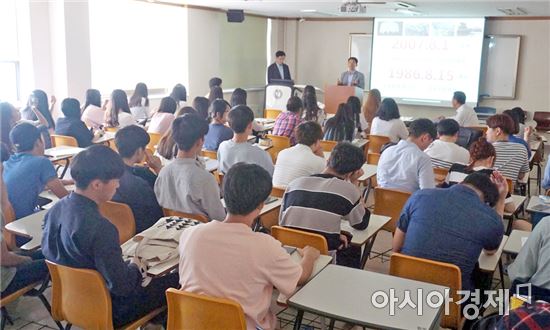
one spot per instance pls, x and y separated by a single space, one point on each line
420 8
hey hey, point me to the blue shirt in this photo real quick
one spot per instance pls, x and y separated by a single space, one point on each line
515 139
405 167
76 128
450 225
77 235
25 176
217 133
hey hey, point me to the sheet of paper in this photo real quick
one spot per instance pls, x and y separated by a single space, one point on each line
523 240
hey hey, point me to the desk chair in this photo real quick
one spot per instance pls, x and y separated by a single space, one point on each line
271 113
174 213
122 217
483 129
328 145
80 297
543 120
376 142
434 272
154 139
373 158
279 143
278 191
300 238
26 291
193 311
209 153
63 140
440 174
9 216
111 129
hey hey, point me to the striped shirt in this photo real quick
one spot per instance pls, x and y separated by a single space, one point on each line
319 202
511 159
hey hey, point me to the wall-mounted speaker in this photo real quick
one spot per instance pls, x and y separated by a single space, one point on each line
235 16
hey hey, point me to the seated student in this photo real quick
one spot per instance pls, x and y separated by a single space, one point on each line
139 102
71 125
319 202
444 151
238 149
163 118
93 112
200 105
532 264
512 160
179 94
312 111
217 130
119 115
388 122
137 183
341 127
305 158
17 271
184 185
288 120
404 166
77 235
246 265
238 97
524 140
28 172
454 225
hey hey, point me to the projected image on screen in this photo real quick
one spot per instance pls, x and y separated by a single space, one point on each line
423 61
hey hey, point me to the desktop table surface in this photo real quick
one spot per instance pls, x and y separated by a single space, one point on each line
514 243
489 262
360 237
346 294
29 226
534 201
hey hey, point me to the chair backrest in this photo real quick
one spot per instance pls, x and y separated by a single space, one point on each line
278 191
376 142
433 272
389 202
373 158
510 184
209 153
440 174
279 143
483 129
174 213
111 129
543 120
272 113
154 139
299 238
467 136
80 297
193 311
9 216
63 140
328 145
122 217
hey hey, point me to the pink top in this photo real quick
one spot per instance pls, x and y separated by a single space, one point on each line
93 116
161 122
229 260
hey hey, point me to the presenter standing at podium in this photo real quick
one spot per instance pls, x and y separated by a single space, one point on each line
278 70
352 77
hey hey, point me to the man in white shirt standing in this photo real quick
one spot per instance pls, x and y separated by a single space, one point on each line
304 159
465 116
444 151
405 166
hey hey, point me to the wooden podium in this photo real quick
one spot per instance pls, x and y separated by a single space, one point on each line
335 94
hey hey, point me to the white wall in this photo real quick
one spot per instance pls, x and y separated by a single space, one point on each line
323 48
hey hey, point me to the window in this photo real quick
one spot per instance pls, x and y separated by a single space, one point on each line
9 52
134 41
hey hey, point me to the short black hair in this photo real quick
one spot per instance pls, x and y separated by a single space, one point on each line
355 59
70 108
187 129
129 139
214 81
245 187
23 136
460 97
346 158
280 53
97 162
515 118
239 118
218 106
238 97
294 104
448 127
422 126
388 110
484 184
308 133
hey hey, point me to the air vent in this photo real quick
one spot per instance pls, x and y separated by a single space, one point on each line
513 11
